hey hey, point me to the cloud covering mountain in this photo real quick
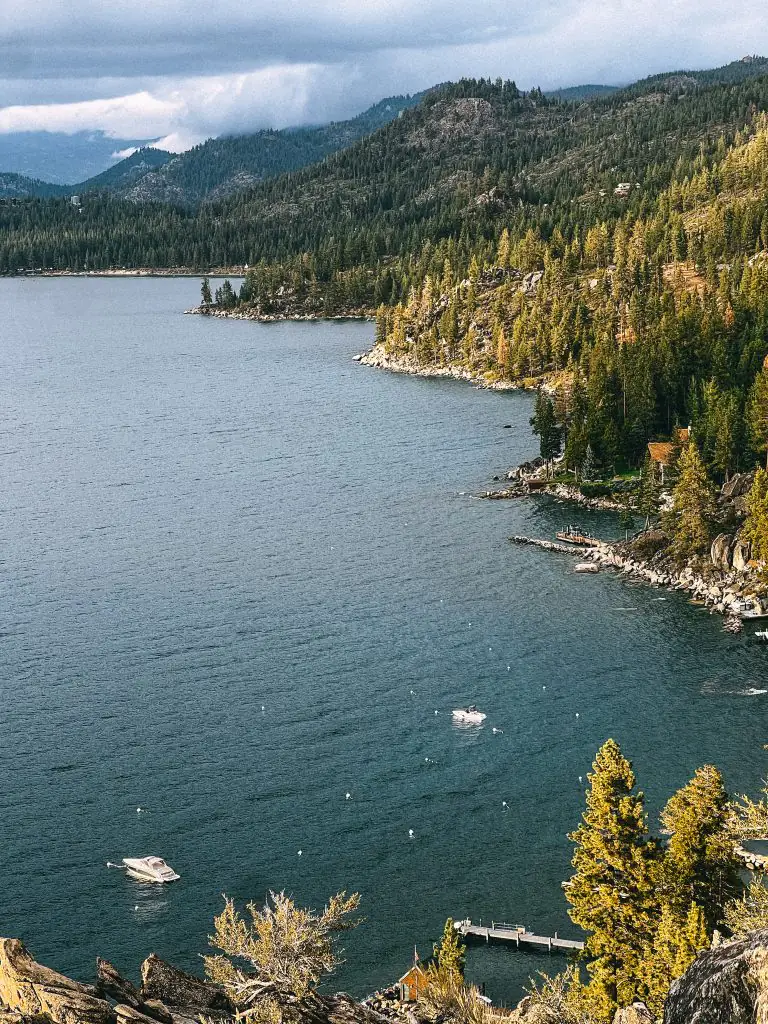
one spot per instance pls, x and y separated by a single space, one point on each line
182 70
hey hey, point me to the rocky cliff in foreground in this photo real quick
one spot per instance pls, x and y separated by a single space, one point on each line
725 985
33 994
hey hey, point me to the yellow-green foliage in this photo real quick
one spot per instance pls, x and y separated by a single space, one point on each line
694 505
750 912
755 529
287 950
612 892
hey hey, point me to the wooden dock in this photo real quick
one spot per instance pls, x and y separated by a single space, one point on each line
573 535
516 935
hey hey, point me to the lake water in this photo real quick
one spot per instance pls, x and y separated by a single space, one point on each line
241 574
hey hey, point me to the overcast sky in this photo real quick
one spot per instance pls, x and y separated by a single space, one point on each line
183 70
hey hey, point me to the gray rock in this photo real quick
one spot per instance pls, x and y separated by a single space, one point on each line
721 551
726 985
741 555
176 988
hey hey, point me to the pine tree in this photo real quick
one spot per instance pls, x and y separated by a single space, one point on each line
205 292
650 497
450 953
544 424
755 529
693 505
588 466
677 941
612 891
699 865
757 411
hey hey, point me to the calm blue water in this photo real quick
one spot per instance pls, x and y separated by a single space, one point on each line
200 517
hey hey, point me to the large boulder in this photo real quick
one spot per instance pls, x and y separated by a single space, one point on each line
721 551
737 486
110 983
725 985
176 988
741 555
36 991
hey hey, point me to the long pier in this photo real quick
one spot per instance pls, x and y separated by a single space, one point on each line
516 935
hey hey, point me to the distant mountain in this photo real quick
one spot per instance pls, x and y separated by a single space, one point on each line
124 175
60 158
223 166
18 186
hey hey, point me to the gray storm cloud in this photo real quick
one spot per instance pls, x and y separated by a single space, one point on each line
183 70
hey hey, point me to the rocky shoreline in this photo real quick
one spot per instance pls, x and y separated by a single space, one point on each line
253 313
725 592
377 358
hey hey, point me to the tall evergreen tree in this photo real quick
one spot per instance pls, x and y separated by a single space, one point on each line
699 866
755 529
757 412
545 425
612 890
677 941
450 952
693 505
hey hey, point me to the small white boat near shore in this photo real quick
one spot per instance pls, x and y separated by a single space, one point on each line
469 715
150 869
586 567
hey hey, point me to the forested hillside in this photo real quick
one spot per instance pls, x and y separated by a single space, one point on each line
229 164
469 159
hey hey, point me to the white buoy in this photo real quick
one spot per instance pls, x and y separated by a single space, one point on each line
413 693
577 714
499 731
262 707
136 907
300 852
138 810
410 833
437 712
581 779
504 804
348 796
508 667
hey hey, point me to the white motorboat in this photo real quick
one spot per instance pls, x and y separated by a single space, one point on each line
586 567
761 634
469 716
150 869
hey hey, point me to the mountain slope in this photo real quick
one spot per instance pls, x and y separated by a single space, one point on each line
125 174
17 186
469 159
229 164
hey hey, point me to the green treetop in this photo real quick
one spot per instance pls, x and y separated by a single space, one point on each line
675 945
755 529
450 952
612 890
694 504
545 425
757 411
699 863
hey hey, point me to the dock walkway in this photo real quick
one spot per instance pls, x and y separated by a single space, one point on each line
517 935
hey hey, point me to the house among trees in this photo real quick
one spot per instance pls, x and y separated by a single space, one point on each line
414 982
664 453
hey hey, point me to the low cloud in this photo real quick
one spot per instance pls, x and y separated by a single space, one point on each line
182 71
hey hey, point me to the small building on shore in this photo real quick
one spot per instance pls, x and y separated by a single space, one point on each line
663 454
